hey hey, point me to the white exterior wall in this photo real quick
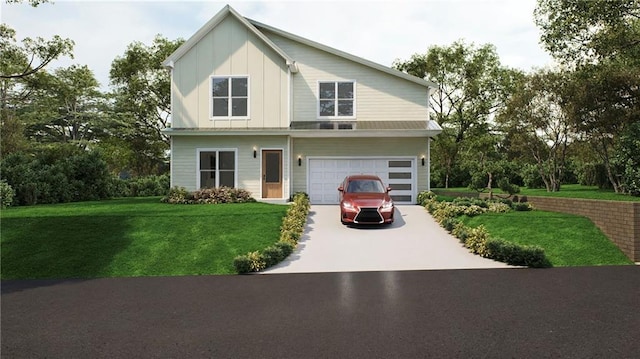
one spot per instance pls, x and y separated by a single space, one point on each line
354 148
184 165
230 49
379 96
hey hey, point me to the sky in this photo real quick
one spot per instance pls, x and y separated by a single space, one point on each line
380 31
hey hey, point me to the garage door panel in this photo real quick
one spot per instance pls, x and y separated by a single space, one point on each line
325 175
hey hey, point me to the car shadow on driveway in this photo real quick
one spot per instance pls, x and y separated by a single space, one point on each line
398 221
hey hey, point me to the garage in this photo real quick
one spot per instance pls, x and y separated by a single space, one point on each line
325 175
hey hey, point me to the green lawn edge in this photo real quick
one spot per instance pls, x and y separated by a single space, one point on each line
567 240
132 237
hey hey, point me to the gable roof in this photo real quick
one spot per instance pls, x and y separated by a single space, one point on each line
343 54
211 24
255 26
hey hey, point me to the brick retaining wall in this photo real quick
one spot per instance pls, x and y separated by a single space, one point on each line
618 220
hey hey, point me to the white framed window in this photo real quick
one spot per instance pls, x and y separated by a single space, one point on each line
217 168
230 97
336 99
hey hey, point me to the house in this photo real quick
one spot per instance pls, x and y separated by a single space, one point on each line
262 109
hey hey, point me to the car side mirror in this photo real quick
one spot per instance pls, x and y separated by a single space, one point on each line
340 189
388 189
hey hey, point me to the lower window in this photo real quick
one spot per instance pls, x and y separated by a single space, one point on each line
217 168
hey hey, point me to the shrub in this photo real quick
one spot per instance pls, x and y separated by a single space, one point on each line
524 199
290 232
272 255
515 199
179 195
242 264
148 186
461 232
424 196
6 194
514 254
499 207
449 223
56 174
473 210
522 206
477 240
285 248
256 261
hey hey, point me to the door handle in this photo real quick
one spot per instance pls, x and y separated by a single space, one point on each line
264 176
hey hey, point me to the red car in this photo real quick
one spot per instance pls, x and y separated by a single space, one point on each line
365 200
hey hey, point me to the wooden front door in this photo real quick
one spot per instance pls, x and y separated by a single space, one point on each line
272 174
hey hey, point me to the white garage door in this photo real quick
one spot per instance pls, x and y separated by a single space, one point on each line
326 174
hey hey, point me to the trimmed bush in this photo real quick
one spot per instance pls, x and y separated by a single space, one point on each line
242 264
449 223
285 248
477 241
290 232
424 196
272 255
6 194
461 232
522 206
179 195
514 254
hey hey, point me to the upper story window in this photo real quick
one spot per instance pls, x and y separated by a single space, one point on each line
230 96
336 99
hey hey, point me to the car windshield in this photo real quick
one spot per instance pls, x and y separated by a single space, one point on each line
365 185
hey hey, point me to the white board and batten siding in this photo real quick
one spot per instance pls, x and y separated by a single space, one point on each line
230 49
184 162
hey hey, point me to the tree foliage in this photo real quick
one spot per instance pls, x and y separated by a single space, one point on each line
472 87
142 101
599 40
536 123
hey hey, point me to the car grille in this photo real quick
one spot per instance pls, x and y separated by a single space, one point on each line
368 215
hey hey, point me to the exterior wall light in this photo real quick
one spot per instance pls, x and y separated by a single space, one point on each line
423 160
255 152
299 160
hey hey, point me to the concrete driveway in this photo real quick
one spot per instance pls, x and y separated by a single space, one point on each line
415 241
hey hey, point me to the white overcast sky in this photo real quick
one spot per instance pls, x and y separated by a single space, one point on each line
381 31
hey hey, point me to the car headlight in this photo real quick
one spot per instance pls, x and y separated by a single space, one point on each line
387 205
347 205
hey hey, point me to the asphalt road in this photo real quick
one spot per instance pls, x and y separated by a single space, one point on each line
588 312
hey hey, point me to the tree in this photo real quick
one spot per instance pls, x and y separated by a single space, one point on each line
142 100
473 86
600 40
536 122
68 107
627 157
588 31
20 65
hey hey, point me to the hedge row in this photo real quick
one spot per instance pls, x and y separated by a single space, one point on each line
290 232
478 240
179 195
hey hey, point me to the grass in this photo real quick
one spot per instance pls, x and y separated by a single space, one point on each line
566 191
568 240
132 237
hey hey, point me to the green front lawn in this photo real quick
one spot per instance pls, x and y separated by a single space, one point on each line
132 237
567 191
568 240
